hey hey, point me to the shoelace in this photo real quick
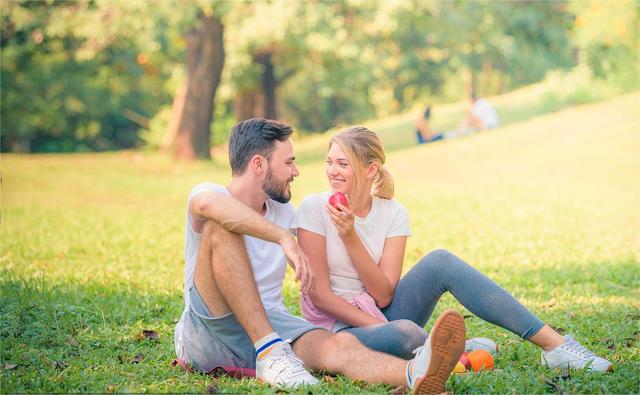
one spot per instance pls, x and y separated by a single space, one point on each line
577 348
415 353
294 369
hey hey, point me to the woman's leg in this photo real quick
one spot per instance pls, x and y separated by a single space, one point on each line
397 338
440 271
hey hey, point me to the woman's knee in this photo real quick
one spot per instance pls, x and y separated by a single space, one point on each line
439 255
441 259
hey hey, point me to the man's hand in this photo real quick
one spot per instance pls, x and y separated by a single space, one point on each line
299 262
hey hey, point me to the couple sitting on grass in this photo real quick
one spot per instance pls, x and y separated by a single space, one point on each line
362 319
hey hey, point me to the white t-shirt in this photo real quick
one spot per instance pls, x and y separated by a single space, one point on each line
267 258
387 218
486 113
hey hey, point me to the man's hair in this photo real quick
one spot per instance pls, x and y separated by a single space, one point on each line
254 136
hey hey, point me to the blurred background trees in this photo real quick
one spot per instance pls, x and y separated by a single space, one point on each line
101 75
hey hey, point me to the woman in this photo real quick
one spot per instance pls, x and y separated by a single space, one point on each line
424 133
357 252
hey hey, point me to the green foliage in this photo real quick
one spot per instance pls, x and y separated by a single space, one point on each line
93 75
607 35
71 80
92 258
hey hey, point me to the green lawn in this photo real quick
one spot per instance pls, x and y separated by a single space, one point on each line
92 251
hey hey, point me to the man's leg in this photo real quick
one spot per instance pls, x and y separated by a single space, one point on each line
425 374
343 353
224 278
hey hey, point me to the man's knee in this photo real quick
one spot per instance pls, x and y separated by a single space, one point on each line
345 341
217 235
334 349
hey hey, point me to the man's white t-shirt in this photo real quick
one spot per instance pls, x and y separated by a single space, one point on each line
486 113
387 218
267 258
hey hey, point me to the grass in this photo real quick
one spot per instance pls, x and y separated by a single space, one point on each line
92 252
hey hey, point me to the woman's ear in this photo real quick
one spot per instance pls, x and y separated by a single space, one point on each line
372 170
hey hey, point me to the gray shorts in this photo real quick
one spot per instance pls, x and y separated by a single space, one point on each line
221 341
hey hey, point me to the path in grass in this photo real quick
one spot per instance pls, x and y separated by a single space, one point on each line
92 252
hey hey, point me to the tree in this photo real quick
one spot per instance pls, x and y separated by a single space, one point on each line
70 80
193 103
267 40
607 36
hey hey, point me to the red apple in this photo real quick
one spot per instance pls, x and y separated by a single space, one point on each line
338 197
465 360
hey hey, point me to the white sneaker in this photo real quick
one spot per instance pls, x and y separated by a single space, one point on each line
428 372
574 355
282 368
481 343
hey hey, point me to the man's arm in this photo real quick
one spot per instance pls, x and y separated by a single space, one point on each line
236 217
233 215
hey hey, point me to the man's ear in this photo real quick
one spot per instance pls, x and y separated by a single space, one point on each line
258 164
372 170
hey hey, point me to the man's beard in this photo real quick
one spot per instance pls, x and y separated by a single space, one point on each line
276 190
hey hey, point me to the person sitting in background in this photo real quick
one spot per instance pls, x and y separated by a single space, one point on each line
480 116
424 133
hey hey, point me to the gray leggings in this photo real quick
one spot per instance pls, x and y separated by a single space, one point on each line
420 289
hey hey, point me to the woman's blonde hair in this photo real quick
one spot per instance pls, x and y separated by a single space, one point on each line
363 147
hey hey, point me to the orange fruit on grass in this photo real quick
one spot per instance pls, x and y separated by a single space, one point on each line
480 359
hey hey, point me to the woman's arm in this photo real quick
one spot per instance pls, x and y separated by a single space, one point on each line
314 246
379 280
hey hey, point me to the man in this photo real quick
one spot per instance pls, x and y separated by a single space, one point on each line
237 239
481 115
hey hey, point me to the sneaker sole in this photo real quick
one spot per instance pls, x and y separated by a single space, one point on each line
447 345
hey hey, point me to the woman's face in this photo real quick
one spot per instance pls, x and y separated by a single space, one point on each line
339 170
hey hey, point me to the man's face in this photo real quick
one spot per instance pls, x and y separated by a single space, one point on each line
280 172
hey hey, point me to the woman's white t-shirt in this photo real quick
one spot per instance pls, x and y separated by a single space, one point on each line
387 218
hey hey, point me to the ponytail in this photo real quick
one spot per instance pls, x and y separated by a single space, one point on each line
383 184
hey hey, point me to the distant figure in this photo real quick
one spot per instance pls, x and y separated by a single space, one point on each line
481 115
424 133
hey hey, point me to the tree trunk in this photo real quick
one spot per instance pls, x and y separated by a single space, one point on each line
248 103
269 84
487 70
169 138
205 59
501 76
472 82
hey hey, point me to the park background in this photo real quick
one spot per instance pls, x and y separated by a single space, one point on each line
111 111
